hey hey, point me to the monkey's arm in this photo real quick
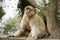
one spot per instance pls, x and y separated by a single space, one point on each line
23 25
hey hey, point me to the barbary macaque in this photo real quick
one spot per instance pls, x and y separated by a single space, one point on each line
33 22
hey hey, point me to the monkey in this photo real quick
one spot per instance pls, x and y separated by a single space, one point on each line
33 22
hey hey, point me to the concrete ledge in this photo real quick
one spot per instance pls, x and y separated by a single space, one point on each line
4 37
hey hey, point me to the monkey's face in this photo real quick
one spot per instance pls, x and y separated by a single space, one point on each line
29 11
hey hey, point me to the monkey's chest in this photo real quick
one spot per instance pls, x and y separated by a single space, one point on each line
36 23
33 23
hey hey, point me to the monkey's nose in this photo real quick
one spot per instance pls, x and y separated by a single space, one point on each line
28 11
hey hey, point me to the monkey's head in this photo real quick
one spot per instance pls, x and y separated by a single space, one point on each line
29 11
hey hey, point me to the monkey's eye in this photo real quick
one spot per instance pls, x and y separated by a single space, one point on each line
29 9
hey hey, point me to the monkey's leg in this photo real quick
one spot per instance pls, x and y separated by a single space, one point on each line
33 34
30 34
30 37
36 32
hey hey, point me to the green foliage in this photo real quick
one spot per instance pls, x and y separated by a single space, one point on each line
1 12
10 26
46 6
1 0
